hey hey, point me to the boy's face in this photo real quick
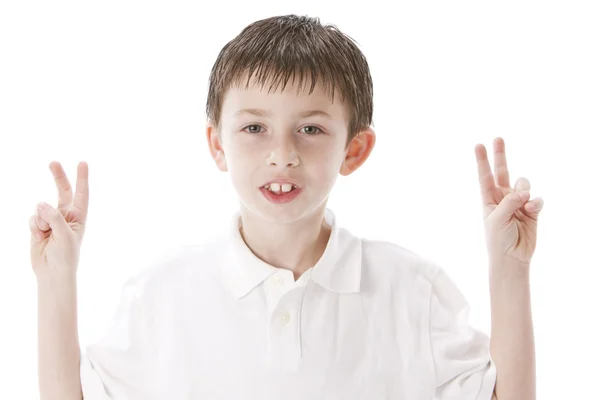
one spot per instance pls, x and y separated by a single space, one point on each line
281 139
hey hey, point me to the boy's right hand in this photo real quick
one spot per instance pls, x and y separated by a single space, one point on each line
56 254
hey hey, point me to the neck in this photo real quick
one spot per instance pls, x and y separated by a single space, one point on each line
295 246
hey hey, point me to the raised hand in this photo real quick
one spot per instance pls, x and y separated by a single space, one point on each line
57 233
510 217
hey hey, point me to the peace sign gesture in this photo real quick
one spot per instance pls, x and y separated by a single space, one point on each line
510 218
57 233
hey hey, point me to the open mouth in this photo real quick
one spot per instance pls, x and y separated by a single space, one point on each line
280 194
278 189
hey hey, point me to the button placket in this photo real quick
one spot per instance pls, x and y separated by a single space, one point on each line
274 290
284 346
277 281
285 318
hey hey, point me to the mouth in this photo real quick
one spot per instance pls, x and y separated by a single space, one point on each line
280 194
277 188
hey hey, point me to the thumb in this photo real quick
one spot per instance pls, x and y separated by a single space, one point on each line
510 204
54 218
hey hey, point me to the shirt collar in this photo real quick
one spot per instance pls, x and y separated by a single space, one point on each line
338 269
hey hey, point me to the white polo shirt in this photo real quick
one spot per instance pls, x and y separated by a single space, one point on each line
371 320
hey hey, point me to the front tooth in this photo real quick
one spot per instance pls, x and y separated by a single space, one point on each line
275 187
286 187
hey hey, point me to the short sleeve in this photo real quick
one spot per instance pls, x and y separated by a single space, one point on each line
463 365
120 365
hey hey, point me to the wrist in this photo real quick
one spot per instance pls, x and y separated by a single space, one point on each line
52 280
508 269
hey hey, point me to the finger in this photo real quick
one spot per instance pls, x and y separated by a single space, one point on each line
42 225
82 190
65 192
55 219
522 184
35 230
33 225
500 167
486 178
533 207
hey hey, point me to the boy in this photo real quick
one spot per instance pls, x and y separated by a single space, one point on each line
284 302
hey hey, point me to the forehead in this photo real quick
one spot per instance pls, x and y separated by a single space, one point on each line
277 96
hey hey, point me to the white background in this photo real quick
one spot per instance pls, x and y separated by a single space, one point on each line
122 85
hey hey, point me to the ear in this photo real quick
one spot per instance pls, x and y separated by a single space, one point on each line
215 146
359 150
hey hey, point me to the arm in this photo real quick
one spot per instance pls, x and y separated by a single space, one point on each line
461 353
511 222
512 344
58 341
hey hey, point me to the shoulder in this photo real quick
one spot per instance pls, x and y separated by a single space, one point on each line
175 267
388 264
391 259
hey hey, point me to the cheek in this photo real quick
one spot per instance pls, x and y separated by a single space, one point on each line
245 149
238 154
323 168
327 158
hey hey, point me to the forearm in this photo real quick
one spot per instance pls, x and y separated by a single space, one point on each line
58 341
512 344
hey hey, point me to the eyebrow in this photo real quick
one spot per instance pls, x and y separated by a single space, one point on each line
264 113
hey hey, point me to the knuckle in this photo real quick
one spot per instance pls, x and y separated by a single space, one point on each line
33 226
41 224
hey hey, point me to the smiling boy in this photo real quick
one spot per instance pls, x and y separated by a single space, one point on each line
285 302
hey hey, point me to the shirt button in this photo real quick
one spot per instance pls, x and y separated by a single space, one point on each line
285 318
277 281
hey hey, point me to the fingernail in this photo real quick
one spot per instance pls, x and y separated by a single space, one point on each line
42 206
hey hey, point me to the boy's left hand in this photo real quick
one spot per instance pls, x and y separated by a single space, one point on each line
510 221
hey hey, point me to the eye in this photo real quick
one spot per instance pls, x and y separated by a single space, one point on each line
253 126
314 130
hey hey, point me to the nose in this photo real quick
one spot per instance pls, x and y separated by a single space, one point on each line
283 155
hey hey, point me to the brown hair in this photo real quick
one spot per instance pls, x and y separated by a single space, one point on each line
285 45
